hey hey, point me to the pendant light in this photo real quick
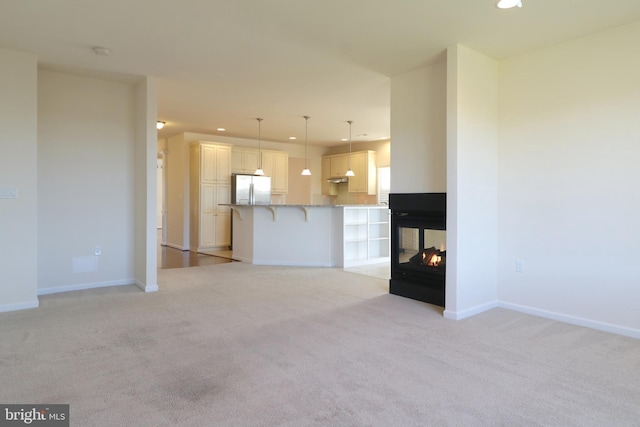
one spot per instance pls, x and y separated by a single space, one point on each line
508 4
259 171
350 172
306 170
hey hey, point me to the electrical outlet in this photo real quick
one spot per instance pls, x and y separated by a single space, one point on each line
519 266
97 251
8 193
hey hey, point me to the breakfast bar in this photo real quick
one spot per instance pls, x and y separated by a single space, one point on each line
310 235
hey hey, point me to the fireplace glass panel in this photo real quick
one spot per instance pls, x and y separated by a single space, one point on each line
422 248
409 241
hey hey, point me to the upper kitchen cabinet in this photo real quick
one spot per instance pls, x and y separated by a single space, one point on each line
214 162
276 165
339 165
244 160
363 164
328 188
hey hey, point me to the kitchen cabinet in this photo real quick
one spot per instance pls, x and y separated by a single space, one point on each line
328 188
339 165
363 164
212 162
210 189
276 165
244 160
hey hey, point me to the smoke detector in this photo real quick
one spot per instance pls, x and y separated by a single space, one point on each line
101 51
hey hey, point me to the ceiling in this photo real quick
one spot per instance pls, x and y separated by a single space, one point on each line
225 63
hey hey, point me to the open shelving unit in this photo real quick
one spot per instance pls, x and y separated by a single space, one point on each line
366 235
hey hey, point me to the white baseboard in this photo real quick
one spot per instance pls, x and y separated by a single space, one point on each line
84 286
19 306
578 321
459 315
147 288
293 264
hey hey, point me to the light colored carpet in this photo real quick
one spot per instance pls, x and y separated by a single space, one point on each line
242 345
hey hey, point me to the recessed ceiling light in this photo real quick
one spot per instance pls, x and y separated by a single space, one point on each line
508 4
160 124
344 139
221 129
292 138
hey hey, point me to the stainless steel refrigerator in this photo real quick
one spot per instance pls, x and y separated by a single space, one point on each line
250 189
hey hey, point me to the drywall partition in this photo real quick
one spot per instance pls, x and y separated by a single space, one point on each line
86 185
568 181
18 180
472 141
146 145
418 130
177 191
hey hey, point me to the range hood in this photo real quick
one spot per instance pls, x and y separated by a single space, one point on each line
338 179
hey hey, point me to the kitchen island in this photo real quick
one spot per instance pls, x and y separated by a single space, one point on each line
310 235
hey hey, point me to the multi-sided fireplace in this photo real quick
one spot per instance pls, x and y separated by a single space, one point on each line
418 246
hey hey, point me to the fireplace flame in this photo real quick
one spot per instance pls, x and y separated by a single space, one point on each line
434 261
430 257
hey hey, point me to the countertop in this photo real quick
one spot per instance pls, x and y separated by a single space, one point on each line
306 206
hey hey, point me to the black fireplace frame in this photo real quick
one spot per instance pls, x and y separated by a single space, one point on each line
421 211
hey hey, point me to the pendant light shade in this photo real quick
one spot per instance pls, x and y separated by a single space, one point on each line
306 170
350 172
259 171
508 4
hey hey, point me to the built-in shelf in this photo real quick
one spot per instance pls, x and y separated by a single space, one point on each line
366 235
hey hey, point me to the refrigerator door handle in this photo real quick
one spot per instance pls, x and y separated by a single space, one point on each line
252 199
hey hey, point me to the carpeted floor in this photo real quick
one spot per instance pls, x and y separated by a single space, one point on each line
242 345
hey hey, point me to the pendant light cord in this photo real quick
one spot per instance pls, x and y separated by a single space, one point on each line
259 143
306 133
350 121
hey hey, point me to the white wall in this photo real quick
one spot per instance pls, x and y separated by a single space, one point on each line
18 169
86 186
299 191
472 141
146 201
176 169
569 168
418 130
382 149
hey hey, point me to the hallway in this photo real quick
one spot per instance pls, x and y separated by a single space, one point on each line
175 258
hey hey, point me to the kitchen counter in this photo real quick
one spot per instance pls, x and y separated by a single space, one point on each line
274 208
305 235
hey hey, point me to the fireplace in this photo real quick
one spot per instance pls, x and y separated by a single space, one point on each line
418 246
